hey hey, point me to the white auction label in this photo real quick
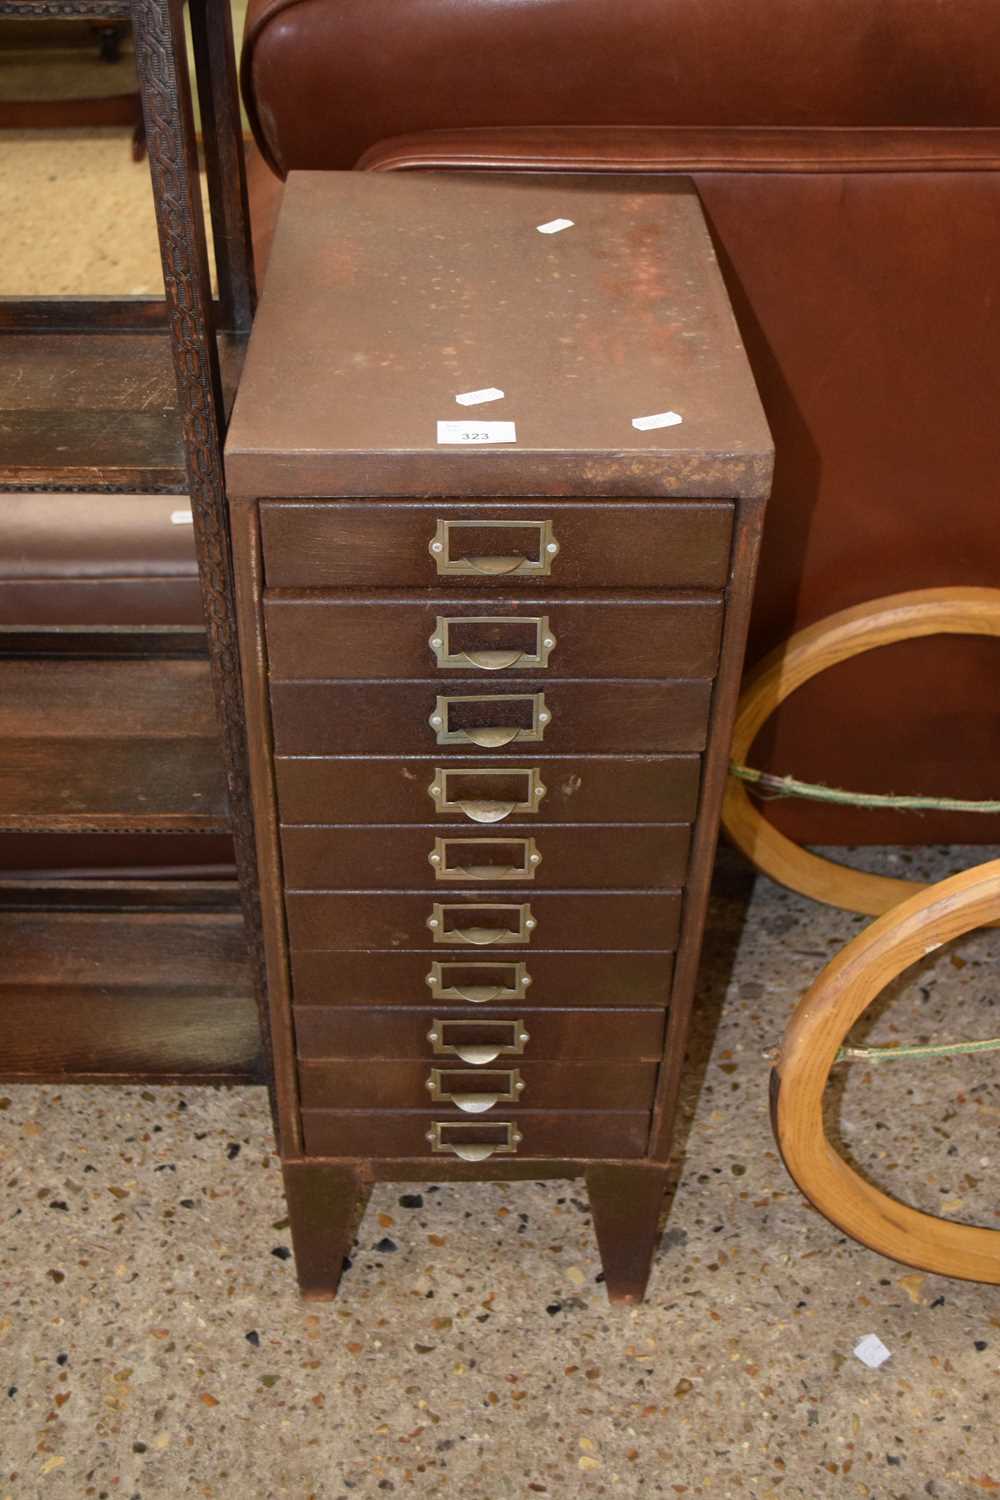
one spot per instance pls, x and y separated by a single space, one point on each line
479 398
555 226
476 432
660 419
871 1351
181 518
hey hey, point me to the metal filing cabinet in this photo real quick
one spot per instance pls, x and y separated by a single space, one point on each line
490 674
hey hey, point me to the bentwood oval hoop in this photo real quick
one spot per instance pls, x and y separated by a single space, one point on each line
819 1024
898 617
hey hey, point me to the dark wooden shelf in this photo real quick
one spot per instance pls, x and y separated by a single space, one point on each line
107 982
111 745
118 731
101 10
97 409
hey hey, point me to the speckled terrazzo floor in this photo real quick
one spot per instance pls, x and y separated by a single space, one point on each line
152 1343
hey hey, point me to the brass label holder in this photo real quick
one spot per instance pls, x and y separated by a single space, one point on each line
489 736
444 985
454 859
475 1093
474 1142
500 1039
477 936
446 654
447 537
445 792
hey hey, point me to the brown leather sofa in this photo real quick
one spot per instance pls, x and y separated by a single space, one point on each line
847 153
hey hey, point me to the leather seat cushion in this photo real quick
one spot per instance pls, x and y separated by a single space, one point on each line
323 80
97 560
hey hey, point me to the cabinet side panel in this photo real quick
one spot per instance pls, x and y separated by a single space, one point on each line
739 597
253 660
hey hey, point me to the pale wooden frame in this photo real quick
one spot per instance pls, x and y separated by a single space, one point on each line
898 617
819 1024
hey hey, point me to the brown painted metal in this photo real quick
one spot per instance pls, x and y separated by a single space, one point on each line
325 1206
602 920
253 659
394 978
585 330
578 789
343 683
338 1031
626 1203
545 1133
356 635
362 718
356 544
376 857
341 1084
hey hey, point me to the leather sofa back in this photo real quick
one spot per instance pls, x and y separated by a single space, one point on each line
848 156
325 79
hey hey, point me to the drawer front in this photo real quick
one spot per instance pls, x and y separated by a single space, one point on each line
358 637
364 718
361 544
488 982
453 1088
482 922
556 1134
578 789
328 1031
378 858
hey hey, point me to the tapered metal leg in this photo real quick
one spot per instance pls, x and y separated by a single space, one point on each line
325 1207
626 1202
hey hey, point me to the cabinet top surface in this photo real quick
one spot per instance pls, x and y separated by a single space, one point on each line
388 296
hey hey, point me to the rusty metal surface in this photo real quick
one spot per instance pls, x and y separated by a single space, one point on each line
388 296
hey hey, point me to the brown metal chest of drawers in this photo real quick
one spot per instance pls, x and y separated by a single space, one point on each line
491 650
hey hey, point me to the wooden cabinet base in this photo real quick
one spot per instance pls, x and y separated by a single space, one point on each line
327 1201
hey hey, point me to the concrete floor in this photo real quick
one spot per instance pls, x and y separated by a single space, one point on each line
152 1343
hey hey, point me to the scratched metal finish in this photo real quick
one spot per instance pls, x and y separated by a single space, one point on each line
387 296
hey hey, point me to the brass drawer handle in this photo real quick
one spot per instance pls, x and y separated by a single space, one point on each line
490 736
474 1142
519 565
454 859
449 653
482 937
451 981
455 1086
499 1039
446 792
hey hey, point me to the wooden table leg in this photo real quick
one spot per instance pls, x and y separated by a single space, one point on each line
325 1207
626 1201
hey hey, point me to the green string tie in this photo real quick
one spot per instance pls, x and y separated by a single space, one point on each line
928 1049
767 787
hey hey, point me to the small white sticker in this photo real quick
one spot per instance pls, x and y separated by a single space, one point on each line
181 518
661 419
555 226
477 432
871 1351
479 398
